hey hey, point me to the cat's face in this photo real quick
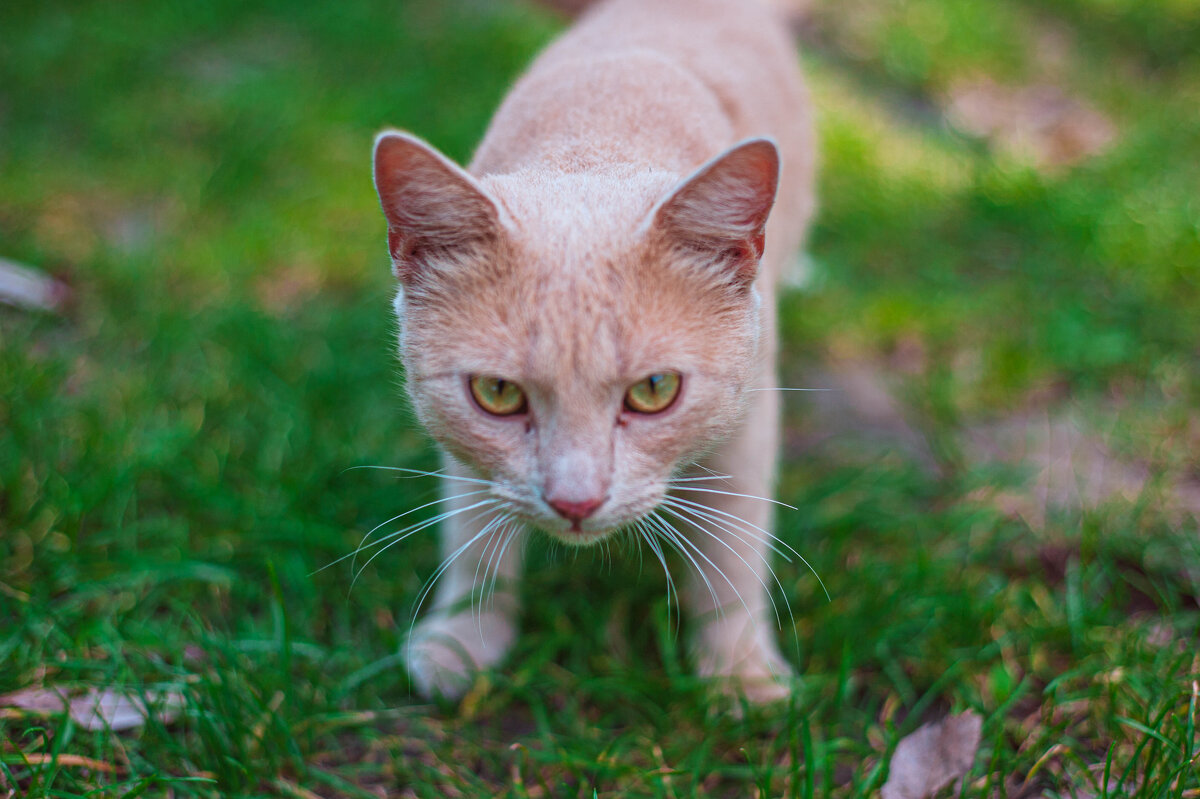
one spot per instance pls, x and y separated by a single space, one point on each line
575 340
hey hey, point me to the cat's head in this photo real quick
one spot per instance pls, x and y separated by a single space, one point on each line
577 339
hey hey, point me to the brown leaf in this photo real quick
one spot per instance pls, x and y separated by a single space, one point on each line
25 287
933 757
97 709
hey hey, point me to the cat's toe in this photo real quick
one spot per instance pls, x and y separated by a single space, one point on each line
445 653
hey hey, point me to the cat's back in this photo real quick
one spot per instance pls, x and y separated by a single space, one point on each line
638 93
654 81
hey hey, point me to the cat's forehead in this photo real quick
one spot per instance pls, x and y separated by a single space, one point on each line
560 214
575 294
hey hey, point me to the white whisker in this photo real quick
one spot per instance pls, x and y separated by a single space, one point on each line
655 547
780 388
734 494
682 541
769 535
703 511
371 532
392 539
691 503
511 533
477 608
720 572
487 528
674 480
775 609
422 473
418 525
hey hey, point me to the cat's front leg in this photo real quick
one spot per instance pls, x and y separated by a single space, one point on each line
728 588
473 621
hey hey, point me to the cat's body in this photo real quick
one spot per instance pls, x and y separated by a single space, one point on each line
605 248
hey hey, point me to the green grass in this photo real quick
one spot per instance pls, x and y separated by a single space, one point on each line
174 449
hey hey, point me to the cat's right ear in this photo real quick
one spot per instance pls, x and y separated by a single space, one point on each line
433 207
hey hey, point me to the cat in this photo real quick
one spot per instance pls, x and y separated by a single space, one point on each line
588 310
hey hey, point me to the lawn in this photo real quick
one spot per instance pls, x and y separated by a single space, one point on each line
1003 502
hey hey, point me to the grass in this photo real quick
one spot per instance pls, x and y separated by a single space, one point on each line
174 449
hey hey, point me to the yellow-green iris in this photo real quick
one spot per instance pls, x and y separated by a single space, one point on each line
653 394
498 396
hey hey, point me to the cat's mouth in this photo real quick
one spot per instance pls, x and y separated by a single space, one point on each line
587 532
577 533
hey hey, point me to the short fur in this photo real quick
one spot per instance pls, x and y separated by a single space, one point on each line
610 226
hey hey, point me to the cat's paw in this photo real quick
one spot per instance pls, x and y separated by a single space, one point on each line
444 653
742 661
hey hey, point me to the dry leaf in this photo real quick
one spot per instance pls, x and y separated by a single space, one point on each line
97 709
933 757
25 287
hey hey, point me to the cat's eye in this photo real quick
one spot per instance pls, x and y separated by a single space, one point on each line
653 394
497 396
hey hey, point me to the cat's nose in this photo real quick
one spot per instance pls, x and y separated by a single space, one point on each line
575 511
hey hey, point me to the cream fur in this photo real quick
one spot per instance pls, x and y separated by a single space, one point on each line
610 226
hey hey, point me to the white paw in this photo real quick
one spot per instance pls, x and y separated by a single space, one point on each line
444 653
742 660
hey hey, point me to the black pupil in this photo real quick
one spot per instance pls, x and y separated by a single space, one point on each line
654 380
500 387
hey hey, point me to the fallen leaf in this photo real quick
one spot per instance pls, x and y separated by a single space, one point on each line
97 709
26 287
933 757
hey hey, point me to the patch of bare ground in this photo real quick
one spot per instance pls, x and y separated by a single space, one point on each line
1039 122
1071 462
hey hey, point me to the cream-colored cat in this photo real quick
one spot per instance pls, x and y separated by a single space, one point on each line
588 310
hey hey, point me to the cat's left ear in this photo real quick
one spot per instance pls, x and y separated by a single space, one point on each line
720 210
433 207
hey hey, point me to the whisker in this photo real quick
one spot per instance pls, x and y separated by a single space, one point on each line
674 480
678 511
406 513
696 508
660 529
691 503
395 538
422 473
511 532
736 554
681 542
781 388
769 535
487 528
418 525
720 572
643 530
477 608
735 494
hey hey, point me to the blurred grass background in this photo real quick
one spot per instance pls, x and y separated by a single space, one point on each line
173 446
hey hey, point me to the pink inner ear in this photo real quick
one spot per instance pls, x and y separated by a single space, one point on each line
724 206
430 203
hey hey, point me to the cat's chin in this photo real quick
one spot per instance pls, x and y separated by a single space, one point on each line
578 538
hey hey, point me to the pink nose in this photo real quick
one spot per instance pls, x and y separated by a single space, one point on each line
575 511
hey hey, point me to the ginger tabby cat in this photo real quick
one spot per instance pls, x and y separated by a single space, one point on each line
587 311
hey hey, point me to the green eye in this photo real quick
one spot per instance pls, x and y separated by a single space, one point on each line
653 394
498 396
